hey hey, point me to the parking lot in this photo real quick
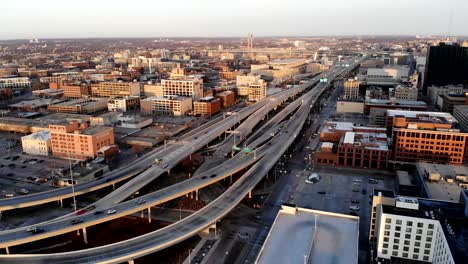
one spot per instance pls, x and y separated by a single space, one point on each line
21 171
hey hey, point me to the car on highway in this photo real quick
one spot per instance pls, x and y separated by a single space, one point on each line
140 201
77 221
80 212
8 195
354 208
321 192
98 212
23 191
373 181
111 211
354 201
164 166
35 230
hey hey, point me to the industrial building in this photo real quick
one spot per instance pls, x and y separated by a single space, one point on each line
124 104
75 90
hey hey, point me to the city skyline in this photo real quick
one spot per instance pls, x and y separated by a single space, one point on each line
54 19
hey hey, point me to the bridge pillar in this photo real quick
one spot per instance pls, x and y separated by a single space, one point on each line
7 250
250 194
1 214
113 186
85 236
196 194
61 202
142 214
131 262
230 179
149 214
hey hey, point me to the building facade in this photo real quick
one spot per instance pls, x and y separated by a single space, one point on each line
124 104
37 143
257 91
15 82
80 106
207 106
351 89
407 93
115 89
185 86
166 105
228 98
76 91
72 141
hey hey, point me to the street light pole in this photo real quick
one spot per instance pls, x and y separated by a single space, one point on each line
72 181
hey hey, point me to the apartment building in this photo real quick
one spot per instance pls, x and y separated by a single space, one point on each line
257 91
427 138
166 105
243 82
15 82
186 86
75 90
407 93
79 142
115 89
351 90
37 143
80 106
419 230
124 104
207 106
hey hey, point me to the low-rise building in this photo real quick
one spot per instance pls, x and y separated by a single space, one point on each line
393 104
115 89
427 138
36 105
407 93
350 107
80 142
75 90
137 122
309 244
124 104
440 181
80 106
433 92
15 82
37 143
207 106
228 98
150 90
106 119
166 105
257 91
447 102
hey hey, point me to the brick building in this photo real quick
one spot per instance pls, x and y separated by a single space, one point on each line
228 98
207 106
79 142
115 89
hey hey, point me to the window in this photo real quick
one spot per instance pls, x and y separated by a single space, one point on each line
429 239
419 231
415 256
398 222
398 228
431 226
427 251
384 251
405 248
397 234
408 236
426 258
407 242
428 245
395 247
405 255
385 245
408 230
418 237
417 244
388 220
420 225
416 250
396 241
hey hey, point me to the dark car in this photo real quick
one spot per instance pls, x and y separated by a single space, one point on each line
76 221
364 191
98 212
322 192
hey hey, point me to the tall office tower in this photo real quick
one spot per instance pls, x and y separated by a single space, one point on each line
250 42
446 64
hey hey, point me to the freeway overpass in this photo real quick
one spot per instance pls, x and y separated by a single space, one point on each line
138 246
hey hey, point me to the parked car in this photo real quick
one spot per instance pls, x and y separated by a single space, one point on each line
354 208
322 192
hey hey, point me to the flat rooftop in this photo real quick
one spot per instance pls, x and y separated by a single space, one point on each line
397 103
293 236
286 61
166 98
413 114
442 189
36 103
94 130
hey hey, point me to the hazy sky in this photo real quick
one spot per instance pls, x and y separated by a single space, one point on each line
153 18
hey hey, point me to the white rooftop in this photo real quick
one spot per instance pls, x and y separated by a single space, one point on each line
349 138
42 135
413 114
293 237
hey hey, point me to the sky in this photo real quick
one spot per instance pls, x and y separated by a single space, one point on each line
233 18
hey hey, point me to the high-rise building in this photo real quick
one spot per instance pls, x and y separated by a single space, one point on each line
446 64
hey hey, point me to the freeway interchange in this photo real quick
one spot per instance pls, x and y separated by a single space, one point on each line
270 142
